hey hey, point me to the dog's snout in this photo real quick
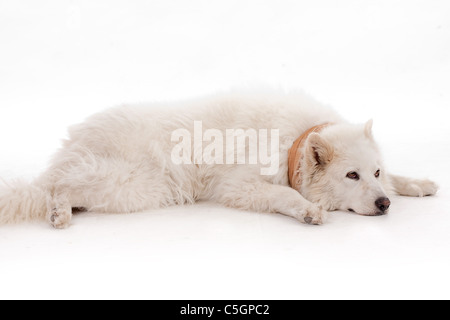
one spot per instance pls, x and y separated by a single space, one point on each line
383 204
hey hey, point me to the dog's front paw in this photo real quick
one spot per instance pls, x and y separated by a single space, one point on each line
428 187
421 188
59 218
312 215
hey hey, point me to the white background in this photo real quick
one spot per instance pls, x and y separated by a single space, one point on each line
61 61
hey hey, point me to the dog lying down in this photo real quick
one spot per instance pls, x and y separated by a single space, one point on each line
267 152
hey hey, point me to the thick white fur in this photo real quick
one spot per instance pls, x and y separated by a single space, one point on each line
119 161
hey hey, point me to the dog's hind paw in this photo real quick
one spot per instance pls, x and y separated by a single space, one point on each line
313 215
60 218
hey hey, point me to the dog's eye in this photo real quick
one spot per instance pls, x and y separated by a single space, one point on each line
377 174
353 175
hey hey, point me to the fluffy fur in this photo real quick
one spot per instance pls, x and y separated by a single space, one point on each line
119 161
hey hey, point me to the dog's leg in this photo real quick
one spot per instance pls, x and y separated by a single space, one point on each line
105 185
413 187
265 197
59 211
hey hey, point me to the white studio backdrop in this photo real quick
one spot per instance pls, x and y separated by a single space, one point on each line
61 61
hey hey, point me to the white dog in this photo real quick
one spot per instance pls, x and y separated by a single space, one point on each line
122 160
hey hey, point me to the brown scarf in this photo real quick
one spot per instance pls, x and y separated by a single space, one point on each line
295 156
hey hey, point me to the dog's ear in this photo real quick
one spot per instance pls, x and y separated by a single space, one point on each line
368 129
319 151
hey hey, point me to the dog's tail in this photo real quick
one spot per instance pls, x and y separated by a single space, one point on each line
21 201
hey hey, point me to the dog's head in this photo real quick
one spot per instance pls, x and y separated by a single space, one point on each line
342 170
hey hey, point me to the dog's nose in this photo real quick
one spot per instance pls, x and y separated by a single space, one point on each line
383 204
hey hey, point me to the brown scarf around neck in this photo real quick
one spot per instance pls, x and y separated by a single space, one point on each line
296 155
